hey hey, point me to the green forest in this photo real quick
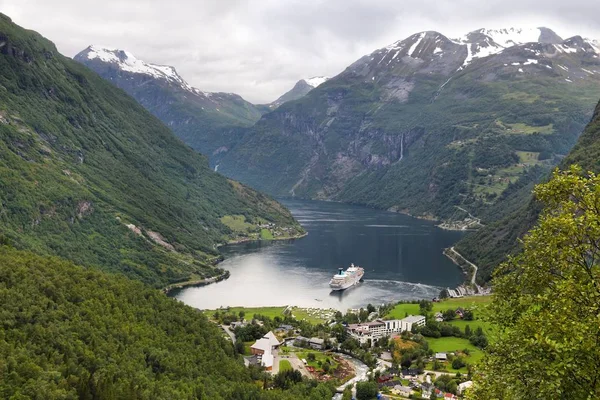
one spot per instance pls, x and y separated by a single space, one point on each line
68 332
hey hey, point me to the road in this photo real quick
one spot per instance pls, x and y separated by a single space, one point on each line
296 364
229 332
468 262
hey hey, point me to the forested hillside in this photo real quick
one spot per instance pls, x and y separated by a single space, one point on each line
87 174
490 246
429 124
72 333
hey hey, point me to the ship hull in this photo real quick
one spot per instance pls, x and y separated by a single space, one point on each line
346 285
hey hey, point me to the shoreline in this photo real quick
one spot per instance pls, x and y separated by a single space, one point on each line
246 240
219 259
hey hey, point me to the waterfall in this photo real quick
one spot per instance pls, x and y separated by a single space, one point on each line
401 148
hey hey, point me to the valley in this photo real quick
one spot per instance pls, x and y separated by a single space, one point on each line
162 241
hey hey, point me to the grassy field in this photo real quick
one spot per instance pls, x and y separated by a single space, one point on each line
270 312
528 157
266 234
453 344
247 349
319 357
401 310
312 316
237 223
473 324
473 302
284 365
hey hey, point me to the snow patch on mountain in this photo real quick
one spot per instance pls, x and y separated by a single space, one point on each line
512 36
486 42
126 61
411 51
316 80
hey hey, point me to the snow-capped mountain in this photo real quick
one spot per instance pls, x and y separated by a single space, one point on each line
196 116
433 53
427 122
300 89
127 62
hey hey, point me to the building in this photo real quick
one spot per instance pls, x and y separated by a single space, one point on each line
374 330
260 347
367 331
301 341
402 390
273 341
414 320
441 356
316 343
263 348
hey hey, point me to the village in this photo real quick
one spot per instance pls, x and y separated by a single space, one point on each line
420 349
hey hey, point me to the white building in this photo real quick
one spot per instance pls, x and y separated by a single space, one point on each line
263 348
418 320
377 329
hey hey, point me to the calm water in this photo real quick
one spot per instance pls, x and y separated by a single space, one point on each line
402 257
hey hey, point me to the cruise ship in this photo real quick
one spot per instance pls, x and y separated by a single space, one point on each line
344 279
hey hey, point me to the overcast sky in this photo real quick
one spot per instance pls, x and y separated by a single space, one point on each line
260 48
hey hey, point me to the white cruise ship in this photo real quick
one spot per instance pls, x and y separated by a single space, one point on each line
344 279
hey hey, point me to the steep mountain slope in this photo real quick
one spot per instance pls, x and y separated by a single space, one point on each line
428 124
300 89
89 175
72 333
490 246
206 121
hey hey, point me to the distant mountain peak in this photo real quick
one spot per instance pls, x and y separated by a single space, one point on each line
300 89
126 61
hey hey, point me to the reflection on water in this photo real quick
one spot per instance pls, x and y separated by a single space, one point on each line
402 257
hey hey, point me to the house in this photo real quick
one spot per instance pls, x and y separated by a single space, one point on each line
402 390
301 341
441 356
449 396
460 313
316 343
464 386
410 372
439 317
237 324
384 378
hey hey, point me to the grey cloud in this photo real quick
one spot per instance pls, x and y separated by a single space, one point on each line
260 48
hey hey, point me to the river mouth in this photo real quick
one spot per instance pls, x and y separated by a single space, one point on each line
402 257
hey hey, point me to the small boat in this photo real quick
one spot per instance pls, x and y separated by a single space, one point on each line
345 279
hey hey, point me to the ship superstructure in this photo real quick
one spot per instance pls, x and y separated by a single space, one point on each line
345 279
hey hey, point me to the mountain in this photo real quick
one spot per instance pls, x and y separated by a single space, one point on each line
430 126
490 246
89 175
204 120
300 89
